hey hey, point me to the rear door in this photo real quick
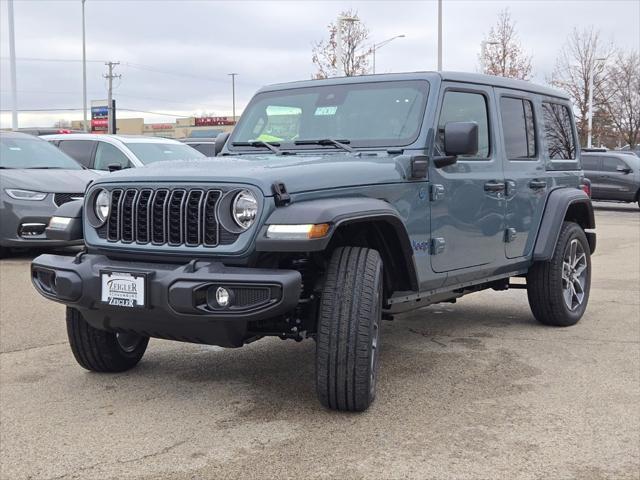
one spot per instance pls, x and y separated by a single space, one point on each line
81 150
525 175
468 207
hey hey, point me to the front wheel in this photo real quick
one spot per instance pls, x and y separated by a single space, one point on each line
348 330
558 289
101 351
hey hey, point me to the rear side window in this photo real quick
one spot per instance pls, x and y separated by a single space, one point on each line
590 162
80 150
558 130
518 128
466 107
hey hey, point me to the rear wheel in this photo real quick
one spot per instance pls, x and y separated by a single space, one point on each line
348 330
558 289
101 351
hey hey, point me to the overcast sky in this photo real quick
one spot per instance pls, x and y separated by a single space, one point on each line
175 55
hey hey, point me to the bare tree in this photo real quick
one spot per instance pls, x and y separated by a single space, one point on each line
582 55
622 96
355 57
503 54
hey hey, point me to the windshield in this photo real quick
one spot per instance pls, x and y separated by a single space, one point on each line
148 152
372 114
33 153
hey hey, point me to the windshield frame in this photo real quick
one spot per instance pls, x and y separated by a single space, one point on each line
377 144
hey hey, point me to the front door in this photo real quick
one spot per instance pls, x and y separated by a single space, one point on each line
467 198
524 170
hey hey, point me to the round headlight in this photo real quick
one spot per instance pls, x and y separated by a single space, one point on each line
102 205
244 209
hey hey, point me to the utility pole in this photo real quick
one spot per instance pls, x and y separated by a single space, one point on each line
439 35
110 76
233 95
84 75
12 62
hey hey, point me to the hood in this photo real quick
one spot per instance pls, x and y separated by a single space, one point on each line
50 181
298 172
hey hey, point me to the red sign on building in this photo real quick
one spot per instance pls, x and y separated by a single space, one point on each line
213 121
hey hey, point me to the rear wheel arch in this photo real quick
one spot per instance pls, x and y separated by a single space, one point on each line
563 204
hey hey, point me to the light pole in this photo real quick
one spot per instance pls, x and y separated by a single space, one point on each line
84 74
12 67
591 74
339 59
377 46
233 95
439 35
483 54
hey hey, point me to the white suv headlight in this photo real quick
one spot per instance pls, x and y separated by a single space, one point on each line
244 209
25 194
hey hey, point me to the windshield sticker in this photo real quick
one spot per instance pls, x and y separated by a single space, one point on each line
17 149
326 110
168 152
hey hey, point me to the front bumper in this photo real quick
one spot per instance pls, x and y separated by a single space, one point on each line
178 305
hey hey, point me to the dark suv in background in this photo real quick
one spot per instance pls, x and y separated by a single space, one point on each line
614 175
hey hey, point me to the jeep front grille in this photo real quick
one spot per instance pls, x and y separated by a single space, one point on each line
175 217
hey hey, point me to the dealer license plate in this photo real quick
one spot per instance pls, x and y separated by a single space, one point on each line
123 289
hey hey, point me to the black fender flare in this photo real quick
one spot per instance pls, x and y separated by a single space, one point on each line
337 212
558 205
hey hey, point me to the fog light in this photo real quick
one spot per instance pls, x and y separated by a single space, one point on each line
222 297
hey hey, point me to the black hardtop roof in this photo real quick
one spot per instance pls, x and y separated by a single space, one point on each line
477 78
14 134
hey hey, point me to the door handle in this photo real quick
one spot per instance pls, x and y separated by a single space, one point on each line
494 186
537 184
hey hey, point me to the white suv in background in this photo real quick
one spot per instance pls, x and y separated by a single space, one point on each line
114 152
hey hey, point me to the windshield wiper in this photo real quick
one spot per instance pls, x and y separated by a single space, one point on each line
260 143
327 141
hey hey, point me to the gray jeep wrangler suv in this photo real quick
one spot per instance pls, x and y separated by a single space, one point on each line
333 205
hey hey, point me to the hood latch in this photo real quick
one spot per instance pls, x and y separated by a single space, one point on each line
280 194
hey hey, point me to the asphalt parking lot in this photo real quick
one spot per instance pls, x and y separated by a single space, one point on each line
476 390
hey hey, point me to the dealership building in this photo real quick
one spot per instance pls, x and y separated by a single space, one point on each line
181 128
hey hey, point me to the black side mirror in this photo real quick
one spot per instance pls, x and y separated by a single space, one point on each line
114 167
221 139
460 138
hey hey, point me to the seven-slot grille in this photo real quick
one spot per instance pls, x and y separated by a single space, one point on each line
173 217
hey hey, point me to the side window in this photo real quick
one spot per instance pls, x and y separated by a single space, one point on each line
80 150
558 130
611 164
107 154
590 162
466 107
518 128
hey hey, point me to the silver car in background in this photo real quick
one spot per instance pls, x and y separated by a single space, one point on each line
116 152
35 179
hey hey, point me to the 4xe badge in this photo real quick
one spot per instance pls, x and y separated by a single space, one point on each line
123 289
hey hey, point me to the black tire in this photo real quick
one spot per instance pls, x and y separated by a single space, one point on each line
4 252
349 315
101 351
546 286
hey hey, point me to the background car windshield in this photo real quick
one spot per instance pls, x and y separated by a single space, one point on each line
149 152
33 153
366 114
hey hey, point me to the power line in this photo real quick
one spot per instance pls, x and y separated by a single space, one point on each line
80 109
60 60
